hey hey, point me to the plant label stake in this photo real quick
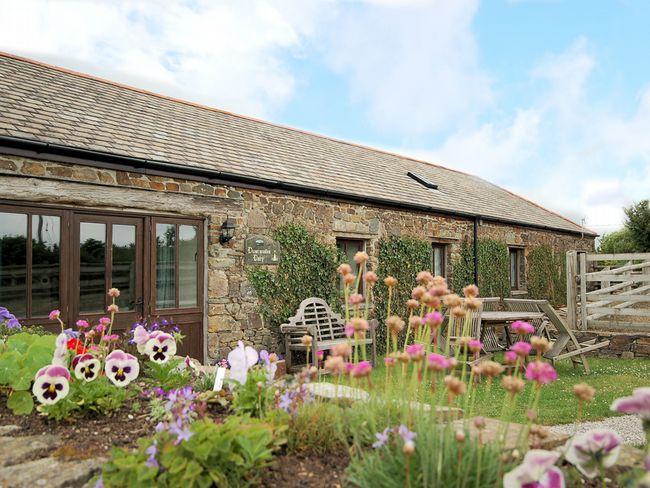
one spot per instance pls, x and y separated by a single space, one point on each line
218 378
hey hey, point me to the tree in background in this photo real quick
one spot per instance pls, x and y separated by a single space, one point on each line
638 224
635 234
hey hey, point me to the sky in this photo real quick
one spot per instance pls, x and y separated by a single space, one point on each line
548 98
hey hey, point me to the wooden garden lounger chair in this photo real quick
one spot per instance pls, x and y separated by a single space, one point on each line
566 345
315 318
528 305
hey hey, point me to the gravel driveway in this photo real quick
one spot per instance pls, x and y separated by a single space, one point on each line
627 426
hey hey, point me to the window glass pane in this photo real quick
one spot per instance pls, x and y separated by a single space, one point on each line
513 269
188 251
92 266
165 265
438 261
46 256
13 263
348 248
123 273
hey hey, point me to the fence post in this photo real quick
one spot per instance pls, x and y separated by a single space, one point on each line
583 291
571 272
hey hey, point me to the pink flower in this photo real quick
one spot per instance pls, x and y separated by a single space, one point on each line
349 329
522 328
100 328
320 354
594 451
114 292
55 314
389 361
82 324
433 319
415 351
541 372
475 345
355 299
538 470
638 403
51 384
363 368
521 348
437 362
240 359
510 357
112 308
111 338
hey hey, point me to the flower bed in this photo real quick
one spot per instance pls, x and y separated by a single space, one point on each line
414 425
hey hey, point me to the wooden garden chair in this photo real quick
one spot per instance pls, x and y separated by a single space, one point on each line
566 346
316 318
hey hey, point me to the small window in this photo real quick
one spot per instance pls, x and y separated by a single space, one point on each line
348 248
516 268
439 256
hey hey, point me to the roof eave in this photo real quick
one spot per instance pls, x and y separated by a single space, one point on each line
70 154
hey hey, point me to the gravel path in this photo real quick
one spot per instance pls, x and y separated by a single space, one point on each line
627 426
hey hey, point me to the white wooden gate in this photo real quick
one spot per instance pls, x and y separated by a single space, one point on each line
608 291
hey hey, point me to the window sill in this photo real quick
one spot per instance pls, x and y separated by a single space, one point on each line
518 292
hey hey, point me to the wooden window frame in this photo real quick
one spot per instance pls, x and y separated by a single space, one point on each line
520 268
443 246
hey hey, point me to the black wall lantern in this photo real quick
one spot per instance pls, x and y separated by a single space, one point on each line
227 230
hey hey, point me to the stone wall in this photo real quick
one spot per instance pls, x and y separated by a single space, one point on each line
625 346
231 304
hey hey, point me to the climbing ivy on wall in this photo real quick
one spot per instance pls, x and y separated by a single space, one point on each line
401 257
493 267
307 268
547 274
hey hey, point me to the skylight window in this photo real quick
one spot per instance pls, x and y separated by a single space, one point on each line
422 180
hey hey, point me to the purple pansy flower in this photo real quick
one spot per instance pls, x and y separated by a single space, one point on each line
86 367
538 470
51 384
638 403
121 368
594 451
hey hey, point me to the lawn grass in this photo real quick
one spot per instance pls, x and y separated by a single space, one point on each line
612 378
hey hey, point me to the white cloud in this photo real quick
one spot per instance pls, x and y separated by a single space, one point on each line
413 68
228 54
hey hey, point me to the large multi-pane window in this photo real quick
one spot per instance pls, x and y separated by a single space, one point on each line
30 256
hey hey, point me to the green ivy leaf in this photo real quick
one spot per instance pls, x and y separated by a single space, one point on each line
21 402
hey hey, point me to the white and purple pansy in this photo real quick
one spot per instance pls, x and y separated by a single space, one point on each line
60 356
537 470
241 359
160 347
594 451
140 337
51 384
121 368
86 367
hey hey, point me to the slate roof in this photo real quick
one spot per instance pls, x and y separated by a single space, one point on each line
49 104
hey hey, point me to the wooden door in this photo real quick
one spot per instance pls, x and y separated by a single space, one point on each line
108 252
176 273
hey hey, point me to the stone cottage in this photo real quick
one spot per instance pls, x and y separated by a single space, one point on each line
106 185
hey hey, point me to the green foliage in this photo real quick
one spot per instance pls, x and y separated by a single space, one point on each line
547 275
403 258
316 428
33 329
99 396
21 356
167 376
230 454
307 268
493 264
638 224
254 398
619 241
433 463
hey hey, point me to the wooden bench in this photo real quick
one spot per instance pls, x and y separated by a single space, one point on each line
315 318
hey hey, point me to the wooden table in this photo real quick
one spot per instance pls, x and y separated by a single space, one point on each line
490 320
